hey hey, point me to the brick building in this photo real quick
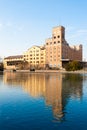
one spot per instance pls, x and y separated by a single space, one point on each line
55 53
58 50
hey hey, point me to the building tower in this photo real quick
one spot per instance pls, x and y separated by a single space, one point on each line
58 51
54 47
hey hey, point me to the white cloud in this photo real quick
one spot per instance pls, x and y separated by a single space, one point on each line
74 35
1 25
82 31
70 28
20 28
9 24
78 33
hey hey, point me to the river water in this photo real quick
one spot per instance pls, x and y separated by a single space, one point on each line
43 101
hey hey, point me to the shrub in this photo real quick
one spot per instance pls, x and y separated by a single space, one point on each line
1 67
72 66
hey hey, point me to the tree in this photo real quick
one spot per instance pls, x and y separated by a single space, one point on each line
72 66
1 66
23 65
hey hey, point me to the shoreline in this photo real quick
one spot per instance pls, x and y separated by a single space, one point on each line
49 71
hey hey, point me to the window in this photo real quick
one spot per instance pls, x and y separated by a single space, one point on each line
46 43
54 37
54 65
58 36
58 55
50 65
54 48
54 42
58 41
37 61
37 50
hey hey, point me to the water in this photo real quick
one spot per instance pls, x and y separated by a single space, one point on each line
40 101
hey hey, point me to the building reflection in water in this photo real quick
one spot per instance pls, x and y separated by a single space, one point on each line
55 88
53 94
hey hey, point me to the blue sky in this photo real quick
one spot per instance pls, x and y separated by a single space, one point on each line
24 23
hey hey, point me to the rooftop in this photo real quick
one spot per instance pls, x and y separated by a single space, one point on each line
14 57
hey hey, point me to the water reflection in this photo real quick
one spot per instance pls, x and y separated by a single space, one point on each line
55 88
1 77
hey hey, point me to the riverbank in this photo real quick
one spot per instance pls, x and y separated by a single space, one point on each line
60 71
48 71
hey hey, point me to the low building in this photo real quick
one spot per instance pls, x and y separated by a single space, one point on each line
12 62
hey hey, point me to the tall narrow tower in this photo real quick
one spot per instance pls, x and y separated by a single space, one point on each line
58 34
54 47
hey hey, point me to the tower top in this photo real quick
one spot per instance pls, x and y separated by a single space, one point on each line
59 27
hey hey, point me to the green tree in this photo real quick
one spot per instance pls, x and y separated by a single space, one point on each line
72 66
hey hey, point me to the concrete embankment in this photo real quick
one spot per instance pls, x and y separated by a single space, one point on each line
48 71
